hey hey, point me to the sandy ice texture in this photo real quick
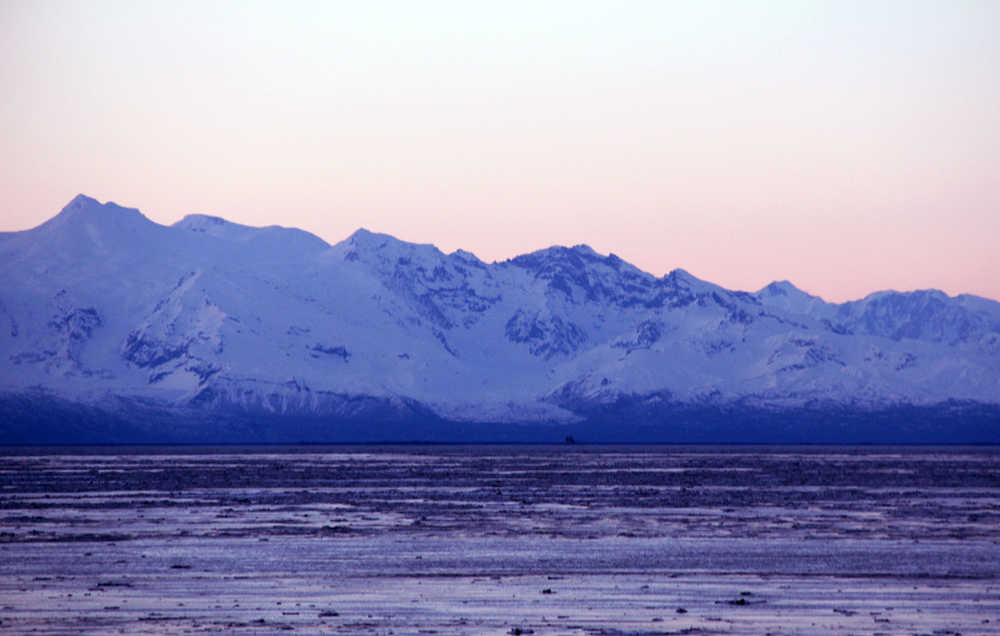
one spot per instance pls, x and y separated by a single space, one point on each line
500 540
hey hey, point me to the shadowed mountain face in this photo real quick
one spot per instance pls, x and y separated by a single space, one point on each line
113 327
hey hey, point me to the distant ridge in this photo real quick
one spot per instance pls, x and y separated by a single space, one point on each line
115 328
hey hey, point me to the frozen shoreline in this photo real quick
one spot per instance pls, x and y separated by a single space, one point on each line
497 539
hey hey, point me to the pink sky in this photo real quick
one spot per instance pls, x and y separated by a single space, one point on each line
845 146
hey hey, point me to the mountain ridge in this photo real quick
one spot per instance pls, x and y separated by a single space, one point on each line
214 321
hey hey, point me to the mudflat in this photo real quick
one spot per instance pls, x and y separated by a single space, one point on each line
568 539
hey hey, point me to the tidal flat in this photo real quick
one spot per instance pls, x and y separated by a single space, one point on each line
572 539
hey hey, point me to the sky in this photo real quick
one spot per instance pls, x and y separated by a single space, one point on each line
846 146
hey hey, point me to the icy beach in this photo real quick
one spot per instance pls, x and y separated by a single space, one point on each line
500 539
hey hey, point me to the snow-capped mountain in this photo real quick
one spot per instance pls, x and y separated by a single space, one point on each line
212 330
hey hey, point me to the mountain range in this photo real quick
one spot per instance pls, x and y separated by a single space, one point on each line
114 328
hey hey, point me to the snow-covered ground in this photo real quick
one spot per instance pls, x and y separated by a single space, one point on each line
488 540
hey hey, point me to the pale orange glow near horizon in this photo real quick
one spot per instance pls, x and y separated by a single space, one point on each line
845 146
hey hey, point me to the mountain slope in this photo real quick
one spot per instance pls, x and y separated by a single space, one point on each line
269 333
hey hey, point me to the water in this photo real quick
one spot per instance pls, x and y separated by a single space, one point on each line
495 539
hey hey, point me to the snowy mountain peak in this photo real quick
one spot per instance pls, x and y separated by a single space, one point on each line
82 207
274 242
81 201
585 249
208 318
363 237
200 222
86 226
367 240
215 226
680 274
558 256
466 256
929 315
683 278
784 296
386 250
915 298
779 288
